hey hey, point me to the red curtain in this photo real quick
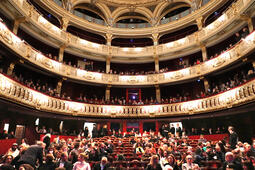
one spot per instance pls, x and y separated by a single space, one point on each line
108 126
124 126
156 127
141 127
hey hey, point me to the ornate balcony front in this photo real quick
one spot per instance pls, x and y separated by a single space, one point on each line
17 93
27 53
208 35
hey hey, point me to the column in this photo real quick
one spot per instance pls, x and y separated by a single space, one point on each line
108 64
206 84
250 25
200 23
156 60
155 37
10 69
61 52
59 86
17 22
65 22
108 58
248 19
158 96
204 52
107 93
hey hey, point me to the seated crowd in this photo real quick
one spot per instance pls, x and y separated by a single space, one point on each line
216 87
149 151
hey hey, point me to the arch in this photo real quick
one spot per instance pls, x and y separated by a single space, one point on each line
161 6
77 2
81 6
102 7
172 9
122 10
105 10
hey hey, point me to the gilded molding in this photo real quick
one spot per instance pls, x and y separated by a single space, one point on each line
18 93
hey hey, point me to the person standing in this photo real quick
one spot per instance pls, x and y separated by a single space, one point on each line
172 129
32 154
233 137
94 131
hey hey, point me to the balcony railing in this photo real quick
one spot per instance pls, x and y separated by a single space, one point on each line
18 93
179 46
25 51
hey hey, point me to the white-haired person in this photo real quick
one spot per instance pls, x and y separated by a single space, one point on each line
189 164
231 163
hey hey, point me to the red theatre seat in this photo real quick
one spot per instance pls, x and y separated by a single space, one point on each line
5 144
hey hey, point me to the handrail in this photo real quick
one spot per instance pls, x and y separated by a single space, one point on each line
25 51
15 92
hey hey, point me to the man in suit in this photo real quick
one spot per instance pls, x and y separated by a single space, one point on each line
64 163
32 154
172 129
179 129
103 165
94 131
233 137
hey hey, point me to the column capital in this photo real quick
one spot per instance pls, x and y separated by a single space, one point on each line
245 17
17 22
108 37
202 44
200 22
65 21
155 38
63 46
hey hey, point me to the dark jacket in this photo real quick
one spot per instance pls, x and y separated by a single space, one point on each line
31 155
98 167
233 138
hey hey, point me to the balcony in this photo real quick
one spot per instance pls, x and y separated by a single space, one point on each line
18 93
210 35
26 52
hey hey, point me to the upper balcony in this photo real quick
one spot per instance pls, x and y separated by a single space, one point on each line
156 22
25 51
230 21
15 92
